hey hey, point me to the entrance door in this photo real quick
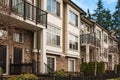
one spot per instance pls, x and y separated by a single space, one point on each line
3 57
17 61
17 55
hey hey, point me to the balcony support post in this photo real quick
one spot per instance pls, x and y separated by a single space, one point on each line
87 53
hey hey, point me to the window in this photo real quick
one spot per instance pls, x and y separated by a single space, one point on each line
18 37
105 38
81 25
88 28
53 35
58 9
73 18
98 34
51 64
71 65
51 6
3 34
105 52
73 42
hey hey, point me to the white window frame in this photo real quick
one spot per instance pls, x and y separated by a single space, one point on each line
54 62
71 20
55 33
69 65
16 37
52 5
72 41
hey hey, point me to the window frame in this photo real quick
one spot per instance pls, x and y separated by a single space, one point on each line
18 38
54 36
73 44
52 57
69 65
58 9
72 16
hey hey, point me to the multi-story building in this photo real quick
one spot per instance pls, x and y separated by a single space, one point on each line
41 36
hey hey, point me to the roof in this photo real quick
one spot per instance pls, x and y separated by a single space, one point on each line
75 6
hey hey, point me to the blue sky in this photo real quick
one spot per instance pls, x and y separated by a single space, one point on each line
91 4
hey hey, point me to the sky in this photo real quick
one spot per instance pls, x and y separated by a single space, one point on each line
91 4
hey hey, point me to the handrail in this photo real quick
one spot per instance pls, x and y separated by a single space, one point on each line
52 70
89 39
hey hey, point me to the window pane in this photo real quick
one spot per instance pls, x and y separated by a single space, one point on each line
49 5
53 6
71 62
53 35
73 18
50 63
58 40
73 42
58 9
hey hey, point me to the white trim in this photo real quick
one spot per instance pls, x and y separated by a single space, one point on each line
69 64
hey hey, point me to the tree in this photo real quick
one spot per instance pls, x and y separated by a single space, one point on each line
88 14
102 16
116 17
116 20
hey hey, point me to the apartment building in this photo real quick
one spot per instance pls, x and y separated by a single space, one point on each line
113 53
96 44
42 36
23 35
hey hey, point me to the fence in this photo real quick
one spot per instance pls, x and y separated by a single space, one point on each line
81 77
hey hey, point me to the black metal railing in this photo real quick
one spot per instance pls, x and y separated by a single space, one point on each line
89 39
26 10
31 12
21 68
49 69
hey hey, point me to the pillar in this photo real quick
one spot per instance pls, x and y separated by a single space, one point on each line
87 53
43 51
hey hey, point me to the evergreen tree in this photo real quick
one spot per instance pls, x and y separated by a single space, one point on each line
102 16
116 20
116 17
106 21
88 14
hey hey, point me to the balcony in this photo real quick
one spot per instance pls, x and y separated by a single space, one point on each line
25 10
89 39
113 49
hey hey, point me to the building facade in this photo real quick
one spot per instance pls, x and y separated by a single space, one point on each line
50 35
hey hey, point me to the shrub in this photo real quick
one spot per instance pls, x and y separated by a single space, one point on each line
25 77
100 67
0 71
89 68
59 73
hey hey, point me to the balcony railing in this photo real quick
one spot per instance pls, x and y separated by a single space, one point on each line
26 10
113 49
89 39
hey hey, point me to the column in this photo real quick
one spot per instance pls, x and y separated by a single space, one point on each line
87 53
43 50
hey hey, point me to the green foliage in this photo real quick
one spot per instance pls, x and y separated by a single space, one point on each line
25 77
89 68
0 71
100 67
59 73
83 67
102 15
